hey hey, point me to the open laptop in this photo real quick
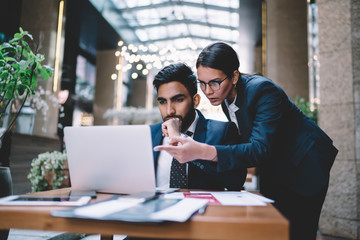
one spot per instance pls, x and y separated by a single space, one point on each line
110 159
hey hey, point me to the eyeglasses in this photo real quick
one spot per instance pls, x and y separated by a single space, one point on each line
214 85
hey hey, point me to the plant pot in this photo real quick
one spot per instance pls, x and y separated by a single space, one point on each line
5 182
5 190
49 171
5 148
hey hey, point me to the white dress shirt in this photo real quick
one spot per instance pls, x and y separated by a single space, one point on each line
165 159
232 110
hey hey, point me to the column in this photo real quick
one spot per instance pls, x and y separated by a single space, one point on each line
105 87
40 19
286 46
339 111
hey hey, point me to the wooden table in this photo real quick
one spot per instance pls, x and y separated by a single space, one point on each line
218 222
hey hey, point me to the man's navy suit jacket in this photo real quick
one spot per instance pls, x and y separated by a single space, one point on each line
202 174
291 151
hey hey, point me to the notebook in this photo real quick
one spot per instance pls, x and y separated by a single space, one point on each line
110 159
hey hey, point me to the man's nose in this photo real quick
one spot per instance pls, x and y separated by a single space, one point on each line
170 109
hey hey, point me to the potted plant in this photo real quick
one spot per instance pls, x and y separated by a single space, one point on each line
49 170
20 68
19 71
309 110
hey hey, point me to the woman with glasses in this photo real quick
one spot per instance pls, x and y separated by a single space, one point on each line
292 154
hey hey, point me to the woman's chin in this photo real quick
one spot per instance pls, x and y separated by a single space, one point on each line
215 102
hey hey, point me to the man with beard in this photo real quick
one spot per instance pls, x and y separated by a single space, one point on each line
177 98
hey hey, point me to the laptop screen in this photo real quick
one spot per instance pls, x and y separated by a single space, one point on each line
111 159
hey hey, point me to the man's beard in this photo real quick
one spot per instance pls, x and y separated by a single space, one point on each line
185 121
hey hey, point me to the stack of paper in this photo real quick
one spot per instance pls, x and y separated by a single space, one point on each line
135 210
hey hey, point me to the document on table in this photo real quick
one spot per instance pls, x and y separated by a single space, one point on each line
132 210
227 198
105 208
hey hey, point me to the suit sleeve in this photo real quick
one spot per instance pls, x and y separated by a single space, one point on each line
231 135
265 103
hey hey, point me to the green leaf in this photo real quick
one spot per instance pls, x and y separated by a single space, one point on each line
49 70
21 89
26 46
34 82
25 54
40 57
10 59
15 66
9 92
23 64
6 46
44 74
3 76
26 33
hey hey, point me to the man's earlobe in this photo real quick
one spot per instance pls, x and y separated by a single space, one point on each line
196 100
235 77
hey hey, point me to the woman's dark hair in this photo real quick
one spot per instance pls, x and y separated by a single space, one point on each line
219 56
179 72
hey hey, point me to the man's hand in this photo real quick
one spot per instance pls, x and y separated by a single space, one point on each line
186 150
171 128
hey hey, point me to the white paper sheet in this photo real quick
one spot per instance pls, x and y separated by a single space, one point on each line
261 198
237 199
229 198
104 208
175 195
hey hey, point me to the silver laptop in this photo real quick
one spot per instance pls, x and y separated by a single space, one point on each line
110 159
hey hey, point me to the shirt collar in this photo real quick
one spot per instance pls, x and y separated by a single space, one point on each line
232 107
193 124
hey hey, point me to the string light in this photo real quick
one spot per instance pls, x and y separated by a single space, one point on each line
134 75
148 58
139 66
145 71
113 76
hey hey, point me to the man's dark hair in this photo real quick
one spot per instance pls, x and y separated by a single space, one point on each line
179 72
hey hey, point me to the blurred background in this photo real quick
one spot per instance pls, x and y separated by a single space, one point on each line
105 54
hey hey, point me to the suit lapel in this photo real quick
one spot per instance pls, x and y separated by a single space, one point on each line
225 110
242 113
240 103
200 131
157 141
